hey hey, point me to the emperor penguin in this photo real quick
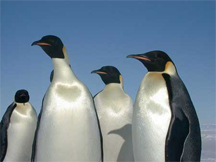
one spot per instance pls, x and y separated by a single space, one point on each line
165 125
18 126
68 128
114 108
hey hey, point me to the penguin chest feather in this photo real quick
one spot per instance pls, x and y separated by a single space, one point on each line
151 118
114 109
68 117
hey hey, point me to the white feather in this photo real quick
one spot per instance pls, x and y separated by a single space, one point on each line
20 133
114 109
68 129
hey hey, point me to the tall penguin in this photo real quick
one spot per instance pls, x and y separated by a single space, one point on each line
17 129
165 124
68 128
114 108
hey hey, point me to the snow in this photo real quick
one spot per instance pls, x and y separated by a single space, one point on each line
208 142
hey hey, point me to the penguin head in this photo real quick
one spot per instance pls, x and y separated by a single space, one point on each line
52 45
154 61
22 96
109 74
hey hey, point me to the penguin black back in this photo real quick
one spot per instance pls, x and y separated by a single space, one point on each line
183 140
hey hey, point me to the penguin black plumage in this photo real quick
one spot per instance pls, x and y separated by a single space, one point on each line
165 125
17 129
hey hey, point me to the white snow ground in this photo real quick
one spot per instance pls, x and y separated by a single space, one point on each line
208 142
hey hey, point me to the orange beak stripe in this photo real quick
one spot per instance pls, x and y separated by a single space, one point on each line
43 44
142 58
100 72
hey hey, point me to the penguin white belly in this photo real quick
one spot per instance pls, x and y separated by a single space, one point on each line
112 143
115 111
151 119
68 129
21 133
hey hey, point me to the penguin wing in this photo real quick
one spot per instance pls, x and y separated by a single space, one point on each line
3 130
177 134
34 146
179 124
100 132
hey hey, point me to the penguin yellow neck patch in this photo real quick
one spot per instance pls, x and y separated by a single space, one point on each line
120 79
64 50
65 54
170 68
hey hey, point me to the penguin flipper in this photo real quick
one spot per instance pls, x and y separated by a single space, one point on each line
3 130
177 134
179 96
100 132
34 147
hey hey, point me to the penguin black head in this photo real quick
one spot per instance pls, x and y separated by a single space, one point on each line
109 74
52 45
22 96
154 61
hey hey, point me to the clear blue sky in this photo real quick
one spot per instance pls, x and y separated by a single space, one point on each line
104 33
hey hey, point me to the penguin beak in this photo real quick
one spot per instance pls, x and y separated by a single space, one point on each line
98 72
40 43
139 57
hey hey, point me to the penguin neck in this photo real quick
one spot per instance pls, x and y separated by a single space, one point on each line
23 108
65 55
169 69
62 71
21 104
113 86
121 81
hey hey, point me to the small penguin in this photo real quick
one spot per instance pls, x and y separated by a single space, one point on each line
165 125
68 128
114 108
18 126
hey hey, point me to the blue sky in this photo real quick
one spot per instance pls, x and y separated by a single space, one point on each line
104 33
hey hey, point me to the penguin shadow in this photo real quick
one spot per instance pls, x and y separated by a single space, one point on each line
126 151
